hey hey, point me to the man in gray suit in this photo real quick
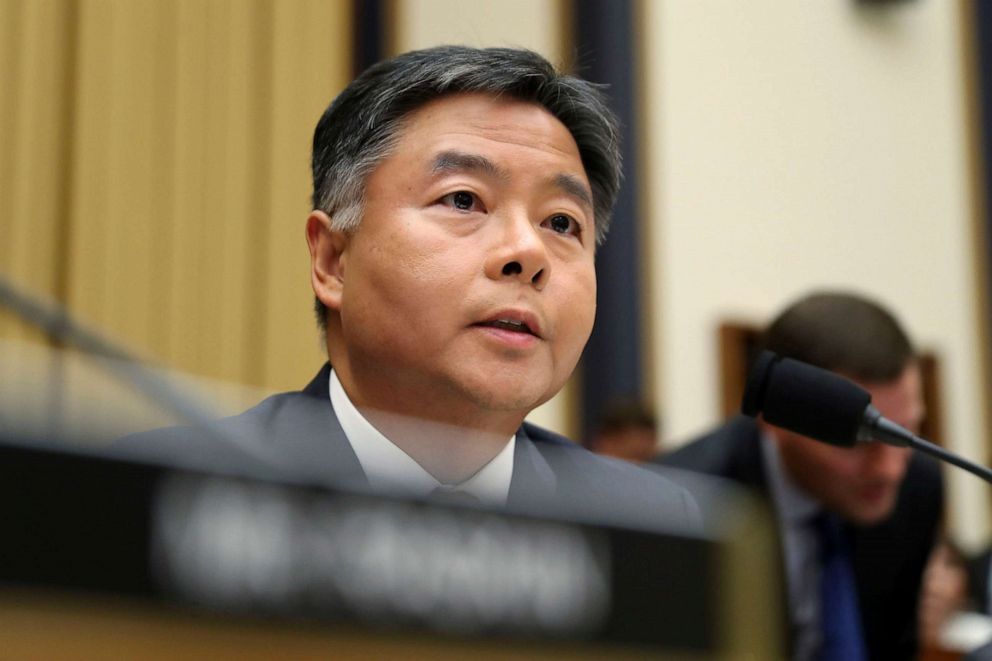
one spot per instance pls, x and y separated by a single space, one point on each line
459 195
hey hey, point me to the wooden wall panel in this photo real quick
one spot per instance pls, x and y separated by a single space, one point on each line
310 39
35 100
186 138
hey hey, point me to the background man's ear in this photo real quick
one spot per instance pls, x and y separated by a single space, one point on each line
327 252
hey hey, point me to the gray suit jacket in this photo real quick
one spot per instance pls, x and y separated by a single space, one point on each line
296 437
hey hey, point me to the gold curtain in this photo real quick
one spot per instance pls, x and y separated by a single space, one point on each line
154 172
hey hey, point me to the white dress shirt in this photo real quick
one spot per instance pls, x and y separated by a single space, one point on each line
795 511
389 468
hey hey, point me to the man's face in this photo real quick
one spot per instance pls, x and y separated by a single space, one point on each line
861 483
633 443
469 288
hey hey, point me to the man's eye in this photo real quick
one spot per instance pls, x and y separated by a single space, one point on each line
563 224
461 200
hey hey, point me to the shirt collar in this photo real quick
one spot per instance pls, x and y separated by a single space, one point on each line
389 468
794 505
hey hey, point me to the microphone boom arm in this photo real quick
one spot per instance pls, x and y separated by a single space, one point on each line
827 407
878 428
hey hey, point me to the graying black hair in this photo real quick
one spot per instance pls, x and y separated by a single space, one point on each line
361 126
842 332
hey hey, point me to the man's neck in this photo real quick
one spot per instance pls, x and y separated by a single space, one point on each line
448 438
450 453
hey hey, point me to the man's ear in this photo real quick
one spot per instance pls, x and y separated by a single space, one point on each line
327 259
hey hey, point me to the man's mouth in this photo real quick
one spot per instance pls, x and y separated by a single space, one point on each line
514 321
509 324
875 493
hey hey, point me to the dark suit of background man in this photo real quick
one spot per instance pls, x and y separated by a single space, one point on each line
458 198
888 499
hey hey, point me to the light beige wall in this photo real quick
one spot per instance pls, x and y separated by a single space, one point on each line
800 145
534 24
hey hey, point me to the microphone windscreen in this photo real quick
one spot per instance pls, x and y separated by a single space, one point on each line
805 399
757 383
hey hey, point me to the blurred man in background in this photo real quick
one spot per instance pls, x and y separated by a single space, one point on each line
628 432
856 524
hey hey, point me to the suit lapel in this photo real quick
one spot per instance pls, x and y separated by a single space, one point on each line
533 481
310 433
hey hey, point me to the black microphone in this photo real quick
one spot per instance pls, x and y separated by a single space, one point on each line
827 407
814 402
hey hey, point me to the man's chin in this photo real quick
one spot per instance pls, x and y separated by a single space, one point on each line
509 395
870 514
520 402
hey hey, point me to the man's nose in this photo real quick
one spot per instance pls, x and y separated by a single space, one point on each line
519 251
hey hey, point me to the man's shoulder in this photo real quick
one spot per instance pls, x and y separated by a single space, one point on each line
595 480
234 444
541 435
252 422
289 434
569 454
724 451
613 473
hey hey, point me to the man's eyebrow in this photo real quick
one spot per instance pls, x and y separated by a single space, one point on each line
455 161
574 187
